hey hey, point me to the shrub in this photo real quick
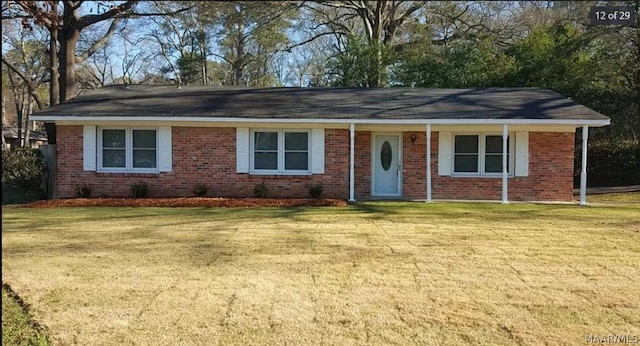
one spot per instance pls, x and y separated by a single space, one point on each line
139 189
609 163
315 191
83 191
200 189
23 167
261 190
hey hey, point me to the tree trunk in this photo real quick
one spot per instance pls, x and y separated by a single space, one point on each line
20 114
54 86
68 38
203 55
4 109
378 26
54 83
18 103
27 124
68 41
237 74
239 62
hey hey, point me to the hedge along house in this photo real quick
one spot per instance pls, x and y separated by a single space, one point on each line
483 144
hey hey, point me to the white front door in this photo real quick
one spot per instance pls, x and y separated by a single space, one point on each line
387 165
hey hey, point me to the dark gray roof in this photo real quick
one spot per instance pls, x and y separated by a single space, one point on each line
12 132
323 103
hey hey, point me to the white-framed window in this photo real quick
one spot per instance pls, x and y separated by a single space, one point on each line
127 149
480 154
280 151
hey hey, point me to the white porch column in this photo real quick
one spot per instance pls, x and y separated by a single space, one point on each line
352 156
428 162
583 172
505 188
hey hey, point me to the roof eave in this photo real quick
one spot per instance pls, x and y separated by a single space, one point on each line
107 119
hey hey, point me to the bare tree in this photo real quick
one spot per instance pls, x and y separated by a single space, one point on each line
26 63
379 23
250 34
67 24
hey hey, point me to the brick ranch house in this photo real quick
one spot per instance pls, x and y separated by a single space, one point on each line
483 144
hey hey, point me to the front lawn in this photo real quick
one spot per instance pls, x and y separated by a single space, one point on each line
17 326
372 273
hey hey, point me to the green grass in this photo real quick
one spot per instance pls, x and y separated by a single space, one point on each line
17 326
372 273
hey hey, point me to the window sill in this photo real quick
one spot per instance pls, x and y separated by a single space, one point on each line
127 174
281 173
489 176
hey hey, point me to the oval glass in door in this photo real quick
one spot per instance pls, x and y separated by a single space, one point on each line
386 155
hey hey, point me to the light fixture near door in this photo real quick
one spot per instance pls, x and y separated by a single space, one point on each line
413 138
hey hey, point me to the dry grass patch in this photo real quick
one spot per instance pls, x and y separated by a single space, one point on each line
615 198
373 273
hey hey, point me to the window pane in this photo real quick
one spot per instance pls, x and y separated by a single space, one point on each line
113 158
266 140
465 163
494 144
466 144
113 138
296 141
144 158
265 160
296 161
144 139
493 164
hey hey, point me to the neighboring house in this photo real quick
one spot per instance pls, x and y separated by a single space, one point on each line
357 143
10 138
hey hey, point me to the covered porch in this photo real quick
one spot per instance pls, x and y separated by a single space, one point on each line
508 161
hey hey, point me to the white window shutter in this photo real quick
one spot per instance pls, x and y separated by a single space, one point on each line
444 153
164 141
522 154
89 148
317 151
242 150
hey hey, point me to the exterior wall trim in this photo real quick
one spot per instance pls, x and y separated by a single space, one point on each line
156 119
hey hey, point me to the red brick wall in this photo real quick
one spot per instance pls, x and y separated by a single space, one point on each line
362 165
208 155
201 155
550 168
414 165
550 172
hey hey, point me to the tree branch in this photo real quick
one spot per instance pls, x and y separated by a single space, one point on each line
16 16
289 48
154 14
98 44
340 4
30 85
35 12
95 18
74 4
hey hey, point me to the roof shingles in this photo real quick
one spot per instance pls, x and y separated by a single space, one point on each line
323 103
